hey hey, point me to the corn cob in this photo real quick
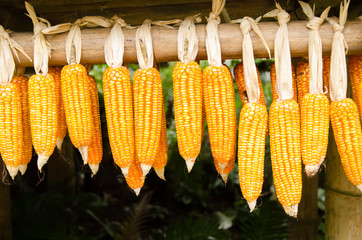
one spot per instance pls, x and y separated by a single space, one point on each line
284 130
326 74
273 78
118 102
161 160
135 178
95 149
28 146
239 79
43 116
227 170
347 133
251 148
314 131
355 73
11 131
62 125
78 107
148 103
219 103
187 88
302 72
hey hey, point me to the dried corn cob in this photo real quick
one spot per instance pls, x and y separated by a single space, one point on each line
78 107
284 130
28 145
62 124
251 148
355 73
43 116
148 103
11 130
118 102
273 78
135 178
227 170
239 79
302 72
161 160
95 149
347 133
219 103
326 74
187 89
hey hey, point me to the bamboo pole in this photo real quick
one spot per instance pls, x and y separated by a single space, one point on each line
165 42
5 209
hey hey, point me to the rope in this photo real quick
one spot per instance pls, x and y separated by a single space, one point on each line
338 75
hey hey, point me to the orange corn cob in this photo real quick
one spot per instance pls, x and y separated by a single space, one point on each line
161 160
251 148
302 71
62 124
219 100
314 131
43 116
187 89
28 145
273 78
135 178
347 133
78 107
326 74
227 170
284 130
95 149
148 103
355 73
11 130
239 79
118 103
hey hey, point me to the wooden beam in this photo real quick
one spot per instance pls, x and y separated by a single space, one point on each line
165 42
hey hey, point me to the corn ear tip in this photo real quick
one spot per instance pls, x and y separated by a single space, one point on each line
94 168
13 171
359 186
224 177
252 205
145 169
137 191
23 168
222 166
84 152
190 163
59 143
125 171
291 210
42 160
161 173
311 170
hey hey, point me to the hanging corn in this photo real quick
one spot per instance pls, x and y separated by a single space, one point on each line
284 123
219 98
253 123
187 90
314 104
355 72
343 111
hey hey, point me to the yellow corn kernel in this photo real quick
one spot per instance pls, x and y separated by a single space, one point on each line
148 103
219 100
78 107
135 178
227 170
347 133
43 116
95 149
302 71
28 145
284 130
314 131
326 74
273 78
239 79
161 160
118 103
62 124
355 73
11 130
187 91
253 125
